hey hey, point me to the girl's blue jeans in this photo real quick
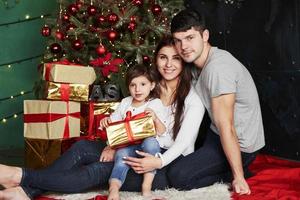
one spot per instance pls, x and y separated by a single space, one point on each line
149 145
79 169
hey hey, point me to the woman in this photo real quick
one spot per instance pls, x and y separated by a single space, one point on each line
79 168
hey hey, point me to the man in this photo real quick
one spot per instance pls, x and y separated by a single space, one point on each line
229 94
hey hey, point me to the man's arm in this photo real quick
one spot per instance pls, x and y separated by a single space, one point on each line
223 116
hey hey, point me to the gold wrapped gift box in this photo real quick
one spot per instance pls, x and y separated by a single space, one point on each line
130 131
51 119
69 73
67 91
40 153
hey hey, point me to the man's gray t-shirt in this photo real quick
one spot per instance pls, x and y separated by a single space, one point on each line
223 74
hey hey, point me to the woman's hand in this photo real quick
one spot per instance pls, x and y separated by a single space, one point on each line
142 165
107 154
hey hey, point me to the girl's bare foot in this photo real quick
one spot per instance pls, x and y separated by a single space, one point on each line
15 193
10 176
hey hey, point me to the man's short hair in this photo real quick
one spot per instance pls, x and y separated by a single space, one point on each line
185 20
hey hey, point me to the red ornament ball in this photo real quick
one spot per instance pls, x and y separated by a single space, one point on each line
66 18
70 27
55 48
77 44
79 4
131 26
101 50
112 35
156 9
72 9
101 19
137 2
46 31
92 10
59 35
146 59
112 18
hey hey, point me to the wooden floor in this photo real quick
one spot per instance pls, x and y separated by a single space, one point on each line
12 157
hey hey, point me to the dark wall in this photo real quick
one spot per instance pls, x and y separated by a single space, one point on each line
264 35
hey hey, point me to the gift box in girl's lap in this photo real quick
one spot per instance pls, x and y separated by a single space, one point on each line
71 73
67 91
51 119
131 130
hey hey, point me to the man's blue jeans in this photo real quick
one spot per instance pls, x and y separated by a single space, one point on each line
79 169
149 145
204 167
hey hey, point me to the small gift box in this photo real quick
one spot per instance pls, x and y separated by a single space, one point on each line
91 115
67 91
40 153
62 73
131 130
51 119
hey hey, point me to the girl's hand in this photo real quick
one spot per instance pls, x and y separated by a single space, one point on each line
150 112
104 122
107 154
142 165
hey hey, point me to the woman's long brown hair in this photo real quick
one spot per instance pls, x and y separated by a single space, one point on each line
183 86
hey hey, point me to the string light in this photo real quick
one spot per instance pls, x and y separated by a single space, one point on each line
5 119
27 18
9 65
22 93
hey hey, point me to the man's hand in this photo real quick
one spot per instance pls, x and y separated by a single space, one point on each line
240 186
107 154
142 165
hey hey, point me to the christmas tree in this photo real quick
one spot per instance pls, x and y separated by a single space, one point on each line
109 35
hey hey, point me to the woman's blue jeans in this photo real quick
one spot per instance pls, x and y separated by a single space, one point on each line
79 169
206 166
119 172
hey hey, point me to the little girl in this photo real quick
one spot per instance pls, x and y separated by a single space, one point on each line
143 88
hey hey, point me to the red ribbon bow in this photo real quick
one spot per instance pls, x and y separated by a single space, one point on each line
108 65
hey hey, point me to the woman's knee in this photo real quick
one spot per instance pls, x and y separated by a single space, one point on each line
178 177
150 145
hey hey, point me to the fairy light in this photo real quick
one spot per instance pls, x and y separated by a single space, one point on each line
9 66
27 16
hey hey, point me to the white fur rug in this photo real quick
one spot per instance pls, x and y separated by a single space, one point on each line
214 192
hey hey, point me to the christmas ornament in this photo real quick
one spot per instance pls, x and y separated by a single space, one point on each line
101 19
66 17
92 10
131 26
107 65
156 9
70 27
137 2
112 18
59 35
55 48
77 44
72 9
46 31
146 59
101 50
112 35
79 4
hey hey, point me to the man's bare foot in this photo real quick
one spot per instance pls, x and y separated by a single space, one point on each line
113 194
10 176
15 193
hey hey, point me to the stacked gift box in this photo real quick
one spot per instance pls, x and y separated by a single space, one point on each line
53 124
